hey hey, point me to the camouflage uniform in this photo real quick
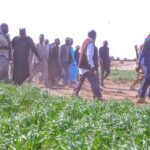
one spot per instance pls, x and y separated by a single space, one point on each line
138 79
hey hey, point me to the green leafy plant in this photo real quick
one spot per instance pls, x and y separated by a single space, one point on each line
122 75
30 119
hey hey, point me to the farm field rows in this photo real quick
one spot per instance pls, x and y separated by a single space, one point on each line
32 119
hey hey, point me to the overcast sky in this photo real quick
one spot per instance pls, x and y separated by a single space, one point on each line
123 23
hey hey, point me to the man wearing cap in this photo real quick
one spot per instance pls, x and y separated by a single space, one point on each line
21 47
87 66
5 51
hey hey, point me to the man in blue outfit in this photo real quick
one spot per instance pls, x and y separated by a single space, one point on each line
76 54
144 62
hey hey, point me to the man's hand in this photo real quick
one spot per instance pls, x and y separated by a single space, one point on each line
10 59
92 69
5 47
10 62
137 68
39 58
101 63
136 47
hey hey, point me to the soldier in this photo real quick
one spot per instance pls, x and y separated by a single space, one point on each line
140 73
144 62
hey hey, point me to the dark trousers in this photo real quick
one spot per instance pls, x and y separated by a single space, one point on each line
65 70
105 71
97 77
145 83
92 78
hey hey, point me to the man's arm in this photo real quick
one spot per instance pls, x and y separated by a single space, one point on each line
4 42
100 58
139 61
136 51
109 61
5 47
10 54
90 54
9 51
144 50
33 48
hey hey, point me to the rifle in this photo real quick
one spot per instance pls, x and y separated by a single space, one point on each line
136 51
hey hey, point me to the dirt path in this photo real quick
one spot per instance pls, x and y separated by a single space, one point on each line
118 90
112 91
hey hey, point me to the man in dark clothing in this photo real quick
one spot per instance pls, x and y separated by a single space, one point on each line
65 59
76 54
53 64
104 61
144 62
88 65
21 46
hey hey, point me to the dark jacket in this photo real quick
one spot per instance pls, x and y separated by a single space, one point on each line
104 54
65 54
83 61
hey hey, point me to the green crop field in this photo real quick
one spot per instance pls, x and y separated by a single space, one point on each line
30 119
122 75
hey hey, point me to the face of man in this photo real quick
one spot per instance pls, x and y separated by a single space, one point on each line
67 41
22 33
94 38
4 28
46 41
57 41
71 41
105 43
41 38
77 48
92 35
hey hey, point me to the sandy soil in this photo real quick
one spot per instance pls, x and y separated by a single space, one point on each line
123 65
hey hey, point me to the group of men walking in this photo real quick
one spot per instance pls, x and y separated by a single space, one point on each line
52 61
